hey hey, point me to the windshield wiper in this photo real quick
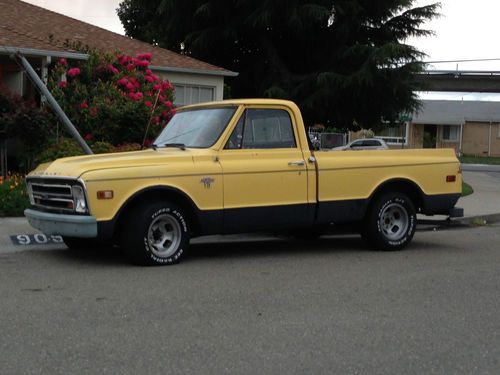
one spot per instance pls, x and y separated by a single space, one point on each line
182 146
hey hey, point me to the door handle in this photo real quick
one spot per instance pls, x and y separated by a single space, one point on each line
297 163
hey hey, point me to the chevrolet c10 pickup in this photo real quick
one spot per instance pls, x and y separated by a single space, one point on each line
237 166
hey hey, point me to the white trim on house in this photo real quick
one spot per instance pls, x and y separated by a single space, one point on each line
224 73
31 52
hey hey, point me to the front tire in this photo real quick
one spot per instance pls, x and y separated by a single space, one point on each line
155 233
391 222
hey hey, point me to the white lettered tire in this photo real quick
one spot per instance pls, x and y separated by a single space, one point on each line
155 233
391 222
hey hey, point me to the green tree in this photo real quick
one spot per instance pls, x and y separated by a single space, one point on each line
345 62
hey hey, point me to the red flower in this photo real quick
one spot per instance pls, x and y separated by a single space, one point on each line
63 84
124 60
145 56
130 67
149 78
130 86
148 103
147 142
156 120
165 85
63 62
84 105
73 72
112 69
136 96
157 87
122 82
93 112
168 104
141 63
149 71
88 137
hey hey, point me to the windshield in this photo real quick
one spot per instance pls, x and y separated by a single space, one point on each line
197 128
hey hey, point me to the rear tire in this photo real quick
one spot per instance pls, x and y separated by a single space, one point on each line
155 234
390 223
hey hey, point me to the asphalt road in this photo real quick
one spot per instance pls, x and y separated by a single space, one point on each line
258 307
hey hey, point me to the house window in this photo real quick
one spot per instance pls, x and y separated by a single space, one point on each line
395 134
188 94
451 133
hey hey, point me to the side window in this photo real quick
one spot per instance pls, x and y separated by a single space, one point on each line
357 144
262 128
372 143
236 139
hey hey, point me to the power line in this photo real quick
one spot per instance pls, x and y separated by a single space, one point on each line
456 61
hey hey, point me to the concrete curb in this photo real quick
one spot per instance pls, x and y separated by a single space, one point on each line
479 219
466 221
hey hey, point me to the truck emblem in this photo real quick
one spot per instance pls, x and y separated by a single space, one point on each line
207 182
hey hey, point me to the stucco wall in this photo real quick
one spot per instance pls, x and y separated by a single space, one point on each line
476 140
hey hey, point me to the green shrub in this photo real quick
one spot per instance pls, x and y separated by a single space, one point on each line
63 148
23 120
111 98
102 148
13 196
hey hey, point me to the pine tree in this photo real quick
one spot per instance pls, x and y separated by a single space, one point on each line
345 62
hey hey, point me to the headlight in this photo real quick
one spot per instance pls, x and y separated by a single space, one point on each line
79 199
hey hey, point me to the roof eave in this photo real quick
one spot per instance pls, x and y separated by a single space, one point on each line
32 52
224 73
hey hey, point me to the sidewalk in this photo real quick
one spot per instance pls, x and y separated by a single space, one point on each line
484 203
486 197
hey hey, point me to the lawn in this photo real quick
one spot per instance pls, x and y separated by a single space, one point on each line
466 189
470 159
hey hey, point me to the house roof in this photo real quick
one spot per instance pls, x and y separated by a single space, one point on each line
29 28
453 112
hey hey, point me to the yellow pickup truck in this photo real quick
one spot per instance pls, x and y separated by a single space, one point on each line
232 167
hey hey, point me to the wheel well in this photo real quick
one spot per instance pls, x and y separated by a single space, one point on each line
407 187
157 194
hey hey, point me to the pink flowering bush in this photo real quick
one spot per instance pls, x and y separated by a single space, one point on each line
110 98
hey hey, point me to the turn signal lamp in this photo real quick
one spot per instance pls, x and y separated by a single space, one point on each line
105 194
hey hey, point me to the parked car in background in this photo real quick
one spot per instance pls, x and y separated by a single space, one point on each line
364 144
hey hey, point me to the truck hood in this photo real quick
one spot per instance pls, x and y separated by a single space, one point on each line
75 166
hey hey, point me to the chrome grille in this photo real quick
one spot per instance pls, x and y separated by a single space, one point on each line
52 195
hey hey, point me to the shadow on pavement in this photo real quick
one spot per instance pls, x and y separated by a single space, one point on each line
237 249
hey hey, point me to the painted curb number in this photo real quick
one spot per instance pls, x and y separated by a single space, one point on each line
35 239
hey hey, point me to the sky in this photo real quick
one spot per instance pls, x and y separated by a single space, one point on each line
466 30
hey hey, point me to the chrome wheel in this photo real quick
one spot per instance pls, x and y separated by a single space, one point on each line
393 221
164 236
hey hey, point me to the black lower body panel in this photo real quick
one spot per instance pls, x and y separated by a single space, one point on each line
252 219
440 204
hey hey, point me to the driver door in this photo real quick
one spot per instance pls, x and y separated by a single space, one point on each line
264 172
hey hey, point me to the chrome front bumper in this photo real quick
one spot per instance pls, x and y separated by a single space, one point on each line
65 225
